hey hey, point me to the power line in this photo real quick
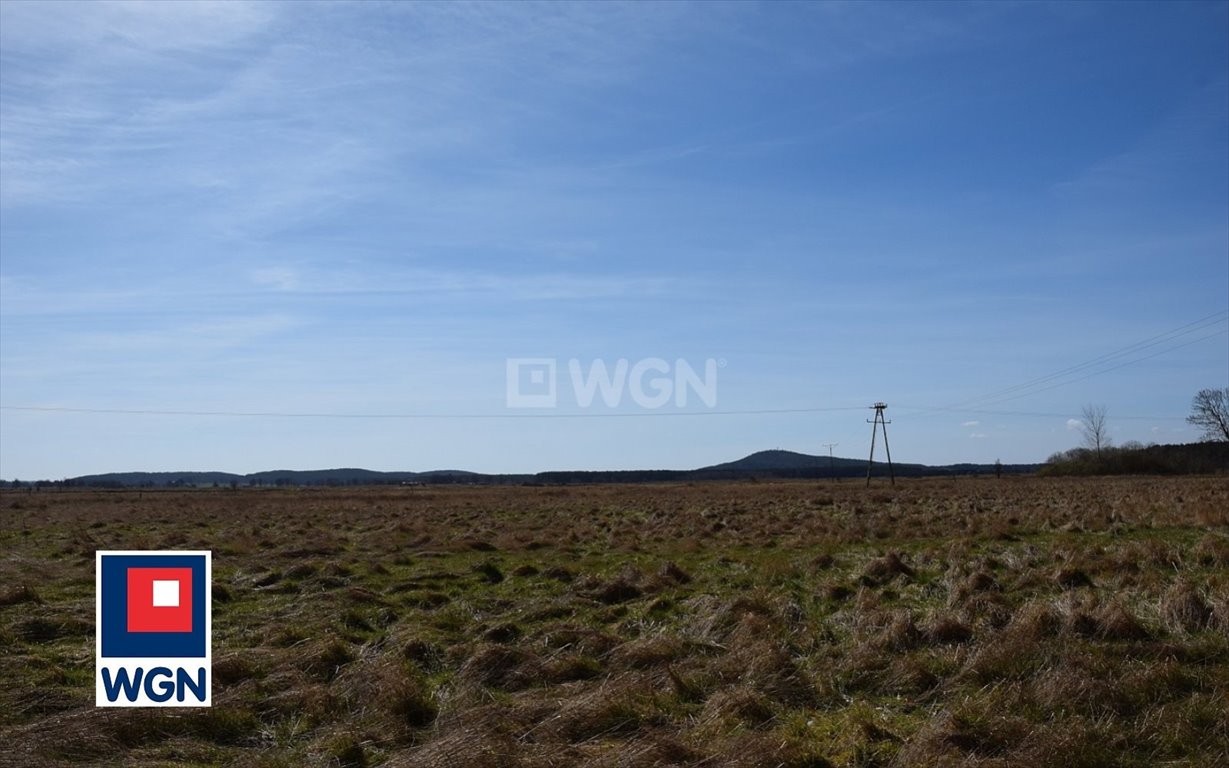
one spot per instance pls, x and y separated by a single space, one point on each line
288 415
1111 368
1030 414
1032 386
1197 325
573 415
1006 394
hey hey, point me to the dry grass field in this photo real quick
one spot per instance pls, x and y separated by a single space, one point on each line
980 622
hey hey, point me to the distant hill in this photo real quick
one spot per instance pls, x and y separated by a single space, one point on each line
779 459
163 479
784 464
347 476
773 464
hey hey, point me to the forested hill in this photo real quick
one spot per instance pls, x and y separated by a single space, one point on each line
769 464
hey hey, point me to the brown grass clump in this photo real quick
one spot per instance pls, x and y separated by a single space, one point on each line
17 594
301 571
1220 610
49 627
1184 609
1082 684
951 736
620 589
834 592
325 658
232 668
1117 622
1036 620
769 668
489 572
1073 742
739 705
1011 656
559 573
426 654
569 667
764 749
978 581
714 620
501 666
389 691
649 652
908 676
648 751
84 735
1105 621
945 629
463 749
1071 577
1212 551
618 706
902 634
504 632
573 637
884 569
668 576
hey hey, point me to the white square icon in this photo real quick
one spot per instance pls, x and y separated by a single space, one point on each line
530 382
166 594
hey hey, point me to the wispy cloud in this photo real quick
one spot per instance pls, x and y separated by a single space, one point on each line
277 278
73 109
214 334
969 423
1168 157
32 296
130 26
249 134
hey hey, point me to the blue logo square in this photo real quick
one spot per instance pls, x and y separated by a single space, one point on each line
115 639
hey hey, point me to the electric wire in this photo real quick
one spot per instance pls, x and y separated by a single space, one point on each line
1007 394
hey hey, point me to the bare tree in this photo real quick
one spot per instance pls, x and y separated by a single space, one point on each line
1095 428
1210 412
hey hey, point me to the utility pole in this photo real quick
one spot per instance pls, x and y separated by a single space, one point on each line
879 419
831 464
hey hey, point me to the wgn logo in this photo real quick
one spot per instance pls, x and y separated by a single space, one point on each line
652 382
153 622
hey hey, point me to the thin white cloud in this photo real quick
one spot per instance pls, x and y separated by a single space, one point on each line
206 294
277 278
90 29
79 109
969 423
1074 424
1189 139
977 435
210 334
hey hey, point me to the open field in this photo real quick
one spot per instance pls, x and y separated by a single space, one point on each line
1025 621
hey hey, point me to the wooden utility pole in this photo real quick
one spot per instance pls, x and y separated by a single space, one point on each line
831 463
879 419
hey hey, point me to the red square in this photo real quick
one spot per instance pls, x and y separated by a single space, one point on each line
144 616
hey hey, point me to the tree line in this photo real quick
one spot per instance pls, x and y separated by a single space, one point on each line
1098 456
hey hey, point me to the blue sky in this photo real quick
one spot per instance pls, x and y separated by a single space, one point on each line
365 209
